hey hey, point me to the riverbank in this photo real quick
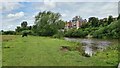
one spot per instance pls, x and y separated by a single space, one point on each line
45 51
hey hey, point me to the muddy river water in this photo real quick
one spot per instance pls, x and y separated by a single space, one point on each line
91 45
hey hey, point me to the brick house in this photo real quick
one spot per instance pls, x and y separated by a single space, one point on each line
76 22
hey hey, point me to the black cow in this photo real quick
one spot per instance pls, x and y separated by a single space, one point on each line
24 34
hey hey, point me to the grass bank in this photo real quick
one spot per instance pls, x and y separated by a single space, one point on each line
45 51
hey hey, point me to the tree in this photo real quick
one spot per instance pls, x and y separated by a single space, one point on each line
110 19
94 21
2 30
29 27
118 17
61 24
23 27
18 29
24 24
47 23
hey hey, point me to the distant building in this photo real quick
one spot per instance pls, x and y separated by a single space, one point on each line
68 25
76 22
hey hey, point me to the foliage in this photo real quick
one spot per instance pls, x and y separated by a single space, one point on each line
8 32
59 35
24 24
19 30
93 21
118 17
110 31
47 23
110 19
76 33
103 28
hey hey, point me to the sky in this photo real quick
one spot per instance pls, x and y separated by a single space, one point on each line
13 13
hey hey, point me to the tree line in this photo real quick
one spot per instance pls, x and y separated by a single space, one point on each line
98 28
48 23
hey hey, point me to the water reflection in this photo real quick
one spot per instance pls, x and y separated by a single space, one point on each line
90 46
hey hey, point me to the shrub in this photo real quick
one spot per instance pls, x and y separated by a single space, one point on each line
59 35
76 33
8 33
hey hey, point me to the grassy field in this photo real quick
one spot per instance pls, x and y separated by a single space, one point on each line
0 50
45 51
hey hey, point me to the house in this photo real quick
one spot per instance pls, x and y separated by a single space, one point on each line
68 25
76 22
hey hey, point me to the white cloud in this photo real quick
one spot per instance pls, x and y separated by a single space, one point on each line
8 6
10 26
59 0
110 9
11 0
85 0
20 14
50 4
13 17
64 15
97 9
67 9
45 5
119 7
0 6
21 0
88 9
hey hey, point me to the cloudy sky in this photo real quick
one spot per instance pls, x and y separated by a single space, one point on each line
13 13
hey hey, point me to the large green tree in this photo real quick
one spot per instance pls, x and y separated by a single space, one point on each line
94 22
24 24
23 28
47 23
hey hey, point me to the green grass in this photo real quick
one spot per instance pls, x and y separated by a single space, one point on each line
0 50
45 51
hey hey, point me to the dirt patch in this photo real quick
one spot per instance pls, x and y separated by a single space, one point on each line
65 48
70 48
7 38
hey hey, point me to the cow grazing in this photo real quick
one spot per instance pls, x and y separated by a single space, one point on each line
24 34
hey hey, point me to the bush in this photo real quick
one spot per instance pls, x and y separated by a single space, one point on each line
8 33
69 33
59 35
76 33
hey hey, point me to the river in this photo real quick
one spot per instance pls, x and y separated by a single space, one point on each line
92 45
